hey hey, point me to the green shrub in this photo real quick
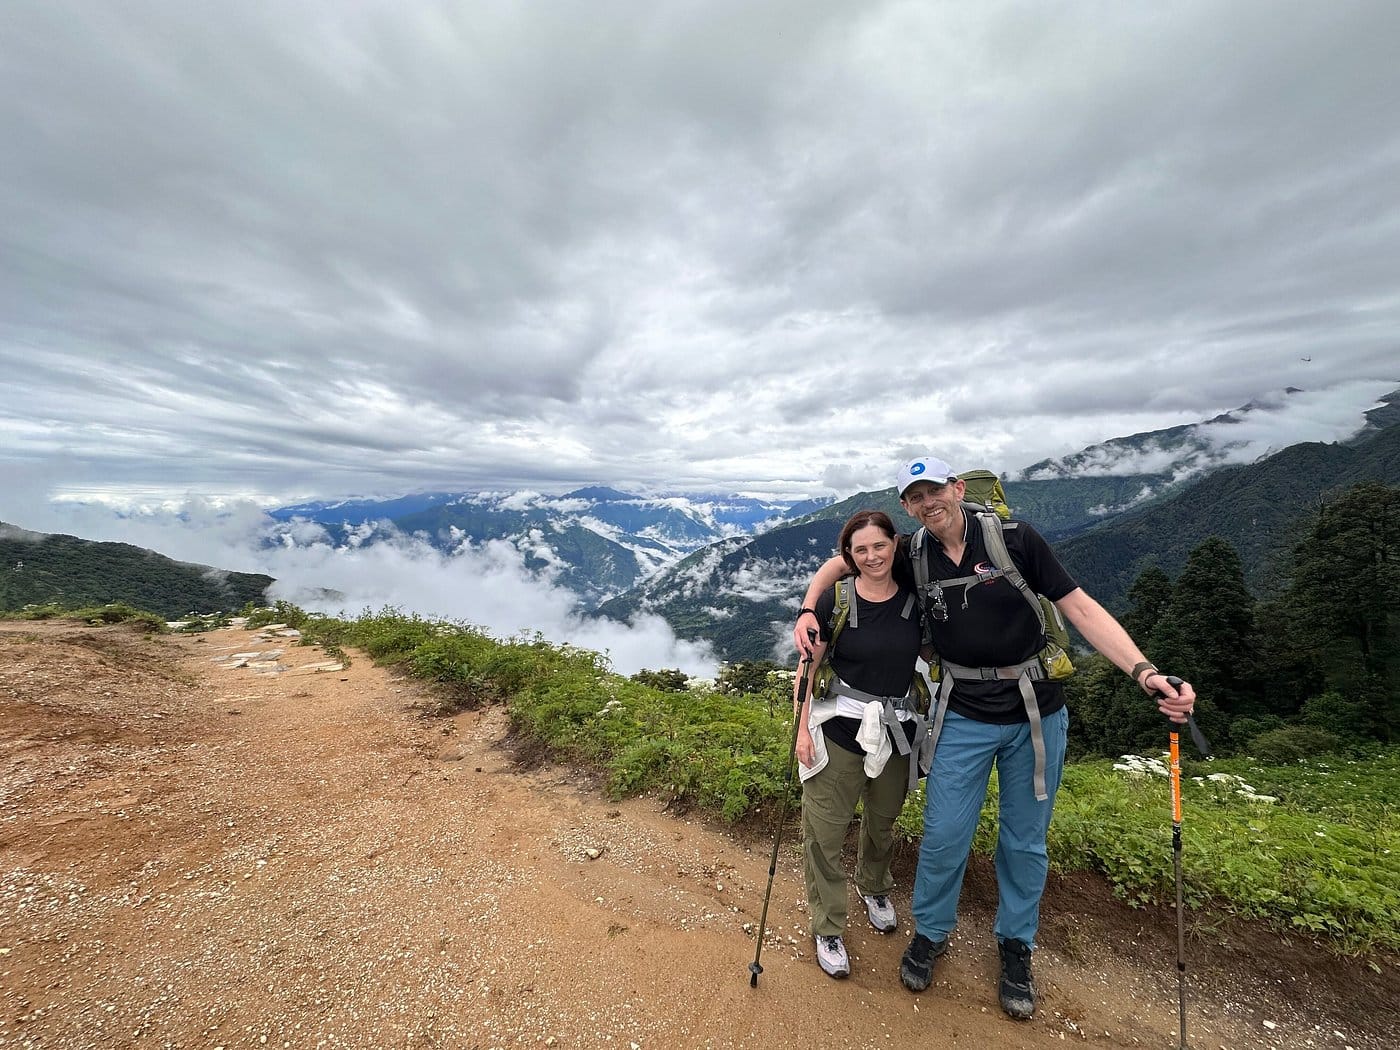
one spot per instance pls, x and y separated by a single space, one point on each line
1281 747
1246 728
279 612
120 612
669 680
1335 713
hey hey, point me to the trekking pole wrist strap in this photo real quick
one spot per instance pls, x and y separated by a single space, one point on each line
1138 668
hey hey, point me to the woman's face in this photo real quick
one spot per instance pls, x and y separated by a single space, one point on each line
872 552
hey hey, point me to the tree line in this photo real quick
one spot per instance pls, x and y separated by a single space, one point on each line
1314 667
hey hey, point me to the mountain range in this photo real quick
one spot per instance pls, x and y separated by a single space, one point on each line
742 596
596 541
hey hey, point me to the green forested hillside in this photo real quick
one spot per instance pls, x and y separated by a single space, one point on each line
1314 668
1258 507
38 568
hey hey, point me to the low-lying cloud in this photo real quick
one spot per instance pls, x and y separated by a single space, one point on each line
486 584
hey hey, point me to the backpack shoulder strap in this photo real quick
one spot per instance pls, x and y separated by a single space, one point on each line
843 610
992 537
916 557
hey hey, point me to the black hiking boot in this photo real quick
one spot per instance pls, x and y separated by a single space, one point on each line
916 968
1017 989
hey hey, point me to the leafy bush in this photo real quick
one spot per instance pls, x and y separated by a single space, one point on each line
120 612
1323 858
747 676
668 680
1281 747
279 612
1343 715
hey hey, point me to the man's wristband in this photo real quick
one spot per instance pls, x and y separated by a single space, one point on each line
805 609
1138 668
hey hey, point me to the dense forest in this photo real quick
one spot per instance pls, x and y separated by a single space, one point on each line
1313 667
41 568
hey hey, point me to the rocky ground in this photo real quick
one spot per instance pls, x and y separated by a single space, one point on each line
204 852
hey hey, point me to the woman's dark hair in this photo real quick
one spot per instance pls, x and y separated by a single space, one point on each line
857 521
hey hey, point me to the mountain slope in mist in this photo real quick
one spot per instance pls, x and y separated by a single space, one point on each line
1106 527
37 568
595 541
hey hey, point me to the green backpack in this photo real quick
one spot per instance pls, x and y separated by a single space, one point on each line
985 500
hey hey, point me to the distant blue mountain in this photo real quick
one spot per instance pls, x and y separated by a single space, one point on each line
359 511
597 540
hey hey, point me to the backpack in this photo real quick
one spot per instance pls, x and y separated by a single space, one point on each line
841 614
985 500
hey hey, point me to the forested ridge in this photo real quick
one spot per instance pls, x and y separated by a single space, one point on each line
1261 508
1313 666
42 568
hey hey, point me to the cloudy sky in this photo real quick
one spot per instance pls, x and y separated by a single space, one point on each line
283 251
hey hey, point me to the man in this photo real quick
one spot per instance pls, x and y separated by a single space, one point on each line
997 704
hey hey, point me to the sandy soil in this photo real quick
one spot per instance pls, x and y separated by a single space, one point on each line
196 855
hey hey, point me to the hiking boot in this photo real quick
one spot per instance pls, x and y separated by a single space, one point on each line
880 911
832 957
916 968
1017 990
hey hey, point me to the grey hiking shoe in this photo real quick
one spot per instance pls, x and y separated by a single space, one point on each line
880 911
916 968
832 957
1017 989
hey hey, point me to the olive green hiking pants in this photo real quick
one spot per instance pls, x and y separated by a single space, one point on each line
828 803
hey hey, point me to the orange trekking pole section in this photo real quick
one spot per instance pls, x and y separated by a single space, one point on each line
1174 756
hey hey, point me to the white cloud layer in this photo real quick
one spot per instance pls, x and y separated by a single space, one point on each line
283 251
486 585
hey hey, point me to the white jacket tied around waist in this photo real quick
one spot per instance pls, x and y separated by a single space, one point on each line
877 717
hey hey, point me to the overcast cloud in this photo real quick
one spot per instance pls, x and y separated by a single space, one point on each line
310 250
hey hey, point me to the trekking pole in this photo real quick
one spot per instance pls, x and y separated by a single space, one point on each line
1175 757
754 968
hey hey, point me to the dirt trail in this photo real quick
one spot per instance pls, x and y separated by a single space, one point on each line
193 855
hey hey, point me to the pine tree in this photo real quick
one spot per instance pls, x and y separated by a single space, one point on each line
1345 599
1150 594
1207 636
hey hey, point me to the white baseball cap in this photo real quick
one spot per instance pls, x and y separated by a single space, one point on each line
925 468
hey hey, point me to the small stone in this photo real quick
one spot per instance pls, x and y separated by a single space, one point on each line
592 854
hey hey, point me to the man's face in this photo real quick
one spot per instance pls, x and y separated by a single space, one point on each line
931 504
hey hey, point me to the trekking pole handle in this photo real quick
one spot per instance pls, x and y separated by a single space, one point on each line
1197 737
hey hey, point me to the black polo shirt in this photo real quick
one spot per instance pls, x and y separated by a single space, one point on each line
876 657
990 624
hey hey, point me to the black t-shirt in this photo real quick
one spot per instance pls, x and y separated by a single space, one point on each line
876 656
991 624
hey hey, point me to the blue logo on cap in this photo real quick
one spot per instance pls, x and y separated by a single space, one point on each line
917 468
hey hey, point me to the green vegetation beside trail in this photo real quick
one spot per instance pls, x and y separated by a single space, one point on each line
1312 847
115 612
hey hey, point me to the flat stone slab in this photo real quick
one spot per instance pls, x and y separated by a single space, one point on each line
332 665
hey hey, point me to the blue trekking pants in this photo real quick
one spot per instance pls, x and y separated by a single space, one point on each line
957 786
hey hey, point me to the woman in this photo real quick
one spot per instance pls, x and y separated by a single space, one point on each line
861 690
